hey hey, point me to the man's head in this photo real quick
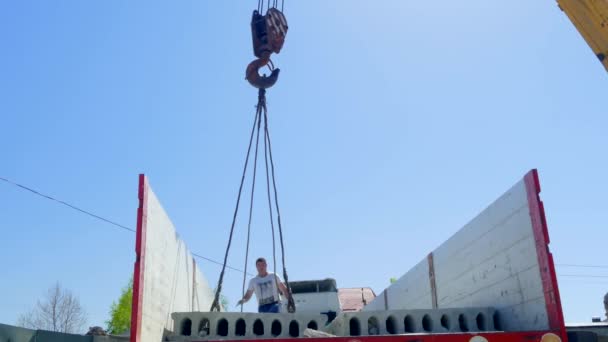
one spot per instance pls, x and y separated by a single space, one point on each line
260 265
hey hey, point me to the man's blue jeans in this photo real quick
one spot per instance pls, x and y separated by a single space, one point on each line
269 308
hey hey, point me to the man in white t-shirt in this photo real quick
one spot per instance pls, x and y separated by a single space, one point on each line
266 287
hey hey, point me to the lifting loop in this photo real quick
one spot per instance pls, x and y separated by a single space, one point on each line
261 118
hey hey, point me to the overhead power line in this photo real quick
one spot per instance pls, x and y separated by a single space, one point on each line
118 225
219 263
67 204
582 265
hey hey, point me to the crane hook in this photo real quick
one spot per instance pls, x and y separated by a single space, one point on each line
253 76
268 32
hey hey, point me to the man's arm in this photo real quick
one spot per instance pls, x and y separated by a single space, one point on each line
246 297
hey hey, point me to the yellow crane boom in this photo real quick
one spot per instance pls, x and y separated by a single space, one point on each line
590 17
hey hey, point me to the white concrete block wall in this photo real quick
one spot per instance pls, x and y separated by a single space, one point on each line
491 261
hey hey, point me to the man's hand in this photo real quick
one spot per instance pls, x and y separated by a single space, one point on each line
245 298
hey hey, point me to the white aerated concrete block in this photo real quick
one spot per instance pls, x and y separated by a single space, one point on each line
231 325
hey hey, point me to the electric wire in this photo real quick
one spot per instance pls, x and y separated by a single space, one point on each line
101 218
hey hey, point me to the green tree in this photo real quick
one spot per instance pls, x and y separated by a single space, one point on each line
120 312
224 302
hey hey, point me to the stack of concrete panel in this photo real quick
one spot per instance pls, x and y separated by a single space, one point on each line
413 321
232 325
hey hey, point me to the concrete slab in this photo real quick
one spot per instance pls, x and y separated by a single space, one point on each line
394 322
500 259
192 326
166 278
234 326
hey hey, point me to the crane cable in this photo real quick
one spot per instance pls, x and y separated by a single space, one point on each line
290 303
275 4
215 305
260 115
261 82
255 164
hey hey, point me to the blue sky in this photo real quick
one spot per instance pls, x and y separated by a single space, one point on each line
393 124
